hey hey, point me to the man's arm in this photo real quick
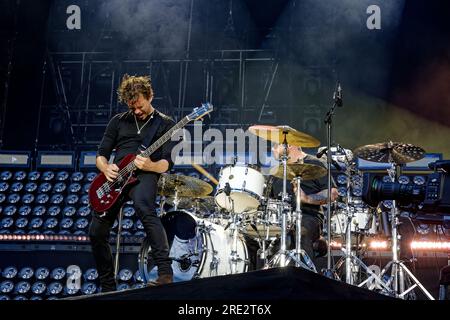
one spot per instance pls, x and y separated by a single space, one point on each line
146 164
319 198
110 171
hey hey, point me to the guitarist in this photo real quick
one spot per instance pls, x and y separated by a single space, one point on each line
126 132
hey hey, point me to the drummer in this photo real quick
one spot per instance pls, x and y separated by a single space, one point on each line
314 194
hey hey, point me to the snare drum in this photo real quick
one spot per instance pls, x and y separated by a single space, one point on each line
246 186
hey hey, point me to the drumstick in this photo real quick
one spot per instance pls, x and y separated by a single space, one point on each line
205 173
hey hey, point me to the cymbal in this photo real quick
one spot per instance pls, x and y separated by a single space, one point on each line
277 134
205 203
307 171
397 152
184 185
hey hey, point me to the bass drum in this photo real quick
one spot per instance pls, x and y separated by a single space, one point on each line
198 248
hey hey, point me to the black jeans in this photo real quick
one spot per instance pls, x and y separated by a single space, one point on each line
143 195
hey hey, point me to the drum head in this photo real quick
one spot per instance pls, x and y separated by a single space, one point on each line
179 223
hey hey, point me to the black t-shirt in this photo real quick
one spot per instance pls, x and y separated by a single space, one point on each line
308 186
121 135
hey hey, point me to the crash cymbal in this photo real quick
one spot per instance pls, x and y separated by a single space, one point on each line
396 152
307 171
184 185
277 134
204 203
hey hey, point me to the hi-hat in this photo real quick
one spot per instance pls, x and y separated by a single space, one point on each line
183 186
397 152
307 171
278 133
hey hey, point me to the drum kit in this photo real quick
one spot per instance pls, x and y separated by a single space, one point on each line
208 235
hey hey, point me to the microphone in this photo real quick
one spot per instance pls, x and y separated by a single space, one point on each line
338 95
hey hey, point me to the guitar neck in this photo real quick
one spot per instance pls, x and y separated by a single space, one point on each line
163 139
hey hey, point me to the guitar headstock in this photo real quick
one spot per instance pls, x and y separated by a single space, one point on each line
200 112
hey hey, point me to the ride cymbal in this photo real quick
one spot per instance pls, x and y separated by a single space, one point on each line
306 171
277 134
397 152
183 186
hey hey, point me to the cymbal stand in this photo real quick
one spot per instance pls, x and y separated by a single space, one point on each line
299 253
397 281
234 257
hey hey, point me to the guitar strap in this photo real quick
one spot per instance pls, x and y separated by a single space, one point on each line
151 133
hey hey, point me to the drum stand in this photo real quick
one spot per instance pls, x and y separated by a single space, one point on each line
284 256
397 281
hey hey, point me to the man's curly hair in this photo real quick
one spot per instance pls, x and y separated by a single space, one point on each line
131 86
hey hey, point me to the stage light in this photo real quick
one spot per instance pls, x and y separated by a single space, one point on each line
140 234
125 274
59 187
52 298
2 198
342 191
71 291
88 288
48 175
84 211
54 288
56 198
138 225
91 176
80 233
77 176
81 223
58 273
39 211
45 187
48 233
74 187
85 200
66 223
50 223
34 175
22 287
30 187
42 273
127 224
20 297
403 179
34 298
10 210
430 245
28 198
387 204
123 286
5 175
357 191
38 287
6 222
138 286
17 187
72 199
341 179
69 211
24 210
36 223
86 187
423 229
6 286
62 176
19 233
4 186
54 211
128 211
90 274
4 297
378 244
21 222
13 198
419 180
26 273
138 277
20 175
42 198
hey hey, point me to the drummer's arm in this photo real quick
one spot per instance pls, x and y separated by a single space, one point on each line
319 198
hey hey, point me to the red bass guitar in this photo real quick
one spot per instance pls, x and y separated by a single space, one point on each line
103 194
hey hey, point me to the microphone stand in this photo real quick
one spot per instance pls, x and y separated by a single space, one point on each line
337 102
